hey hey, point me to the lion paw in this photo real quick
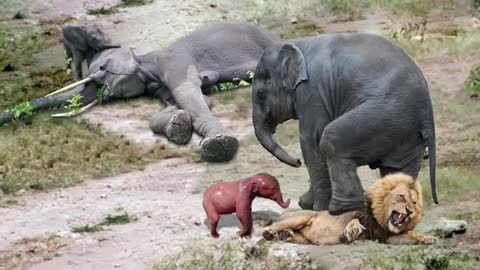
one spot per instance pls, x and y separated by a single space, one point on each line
353 230
268 235
285 235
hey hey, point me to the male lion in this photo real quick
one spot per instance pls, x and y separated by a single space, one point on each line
393 209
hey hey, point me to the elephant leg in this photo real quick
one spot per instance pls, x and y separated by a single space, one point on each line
216 146
360 136
174 124
77 65
320 192
347 190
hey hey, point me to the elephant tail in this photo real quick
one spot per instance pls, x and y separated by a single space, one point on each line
429 137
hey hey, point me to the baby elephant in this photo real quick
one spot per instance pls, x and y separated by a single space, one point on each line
237 197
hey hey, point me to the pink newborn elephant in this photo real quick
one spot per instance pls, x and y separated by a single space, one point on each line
237 197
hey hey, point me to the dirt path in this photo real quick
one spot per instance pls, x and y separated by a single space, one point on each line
160 197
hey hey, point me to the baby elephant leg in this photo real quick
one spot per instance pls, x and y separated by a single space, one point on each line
174 124
352 231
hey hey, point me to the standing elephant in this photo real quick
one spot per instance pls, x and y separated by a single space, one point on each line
176 74
359 99
82 42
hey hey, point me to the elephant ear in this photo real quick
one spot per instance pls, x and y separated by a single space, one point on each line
293 68
249 188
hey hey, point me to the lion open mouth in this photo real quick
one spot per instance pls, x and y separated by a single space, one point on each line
398 219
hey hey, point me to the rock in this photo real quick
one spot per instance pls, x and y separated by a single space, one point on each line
446 228
293 20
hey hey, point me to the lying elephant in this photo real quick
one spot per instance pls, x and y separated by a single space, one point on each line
176 74
359 99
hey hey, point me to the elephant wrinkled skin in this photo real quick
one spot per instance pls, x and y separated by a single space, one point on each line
359 99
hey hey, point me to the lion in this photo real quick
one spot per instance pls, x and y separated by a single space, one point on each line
392 210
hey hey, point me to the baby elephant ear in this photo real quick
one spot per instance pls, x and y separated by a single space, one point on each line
293 69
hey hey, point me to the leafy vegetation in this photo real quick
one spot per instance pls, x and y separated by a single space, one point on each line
235 83
74 105
23 111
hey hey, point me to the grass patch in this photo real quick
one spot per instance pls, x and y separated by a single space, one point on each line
415 257
347 10
240 98
231 255
102 11
463 44
128 3
453 184
87 228
60 152
114 219
472 85
122 218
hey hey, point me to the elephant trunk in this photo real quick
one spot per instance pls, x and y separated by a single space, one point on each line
279 200
264 132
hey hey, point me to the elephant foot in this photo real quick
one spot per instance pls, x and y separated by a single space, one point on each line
306 201
218 149
338 206
180 128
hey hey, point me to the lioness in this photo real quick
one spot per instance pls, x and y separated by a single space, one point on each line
393 209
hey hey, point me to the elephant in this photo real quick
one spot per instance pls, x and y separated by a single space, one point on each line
81 43
237 197
176 75
359 99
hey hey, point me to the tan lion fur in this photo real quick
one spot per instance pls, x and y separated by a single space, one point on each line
396 192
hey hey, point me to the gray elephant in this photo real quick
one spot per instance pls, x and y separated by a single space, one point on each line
83 42
359 99
176 74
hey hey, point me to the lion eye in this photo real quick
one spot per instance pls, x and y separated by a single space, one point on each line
402 196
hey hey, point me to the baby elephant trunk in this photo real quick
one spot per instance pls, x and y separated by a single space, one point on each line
279 199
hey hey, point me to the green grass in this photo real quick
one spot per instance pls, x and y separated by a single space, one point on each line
472 85
114 219
134 2
51 153
87 228
438 257
102 11
230 255
464 43
453 184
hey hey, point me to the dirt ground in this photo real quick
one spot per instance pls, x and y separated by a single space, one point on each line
165 198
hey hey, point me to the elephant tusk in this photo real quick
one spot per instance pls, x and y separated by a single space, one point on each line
70 86
73 113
